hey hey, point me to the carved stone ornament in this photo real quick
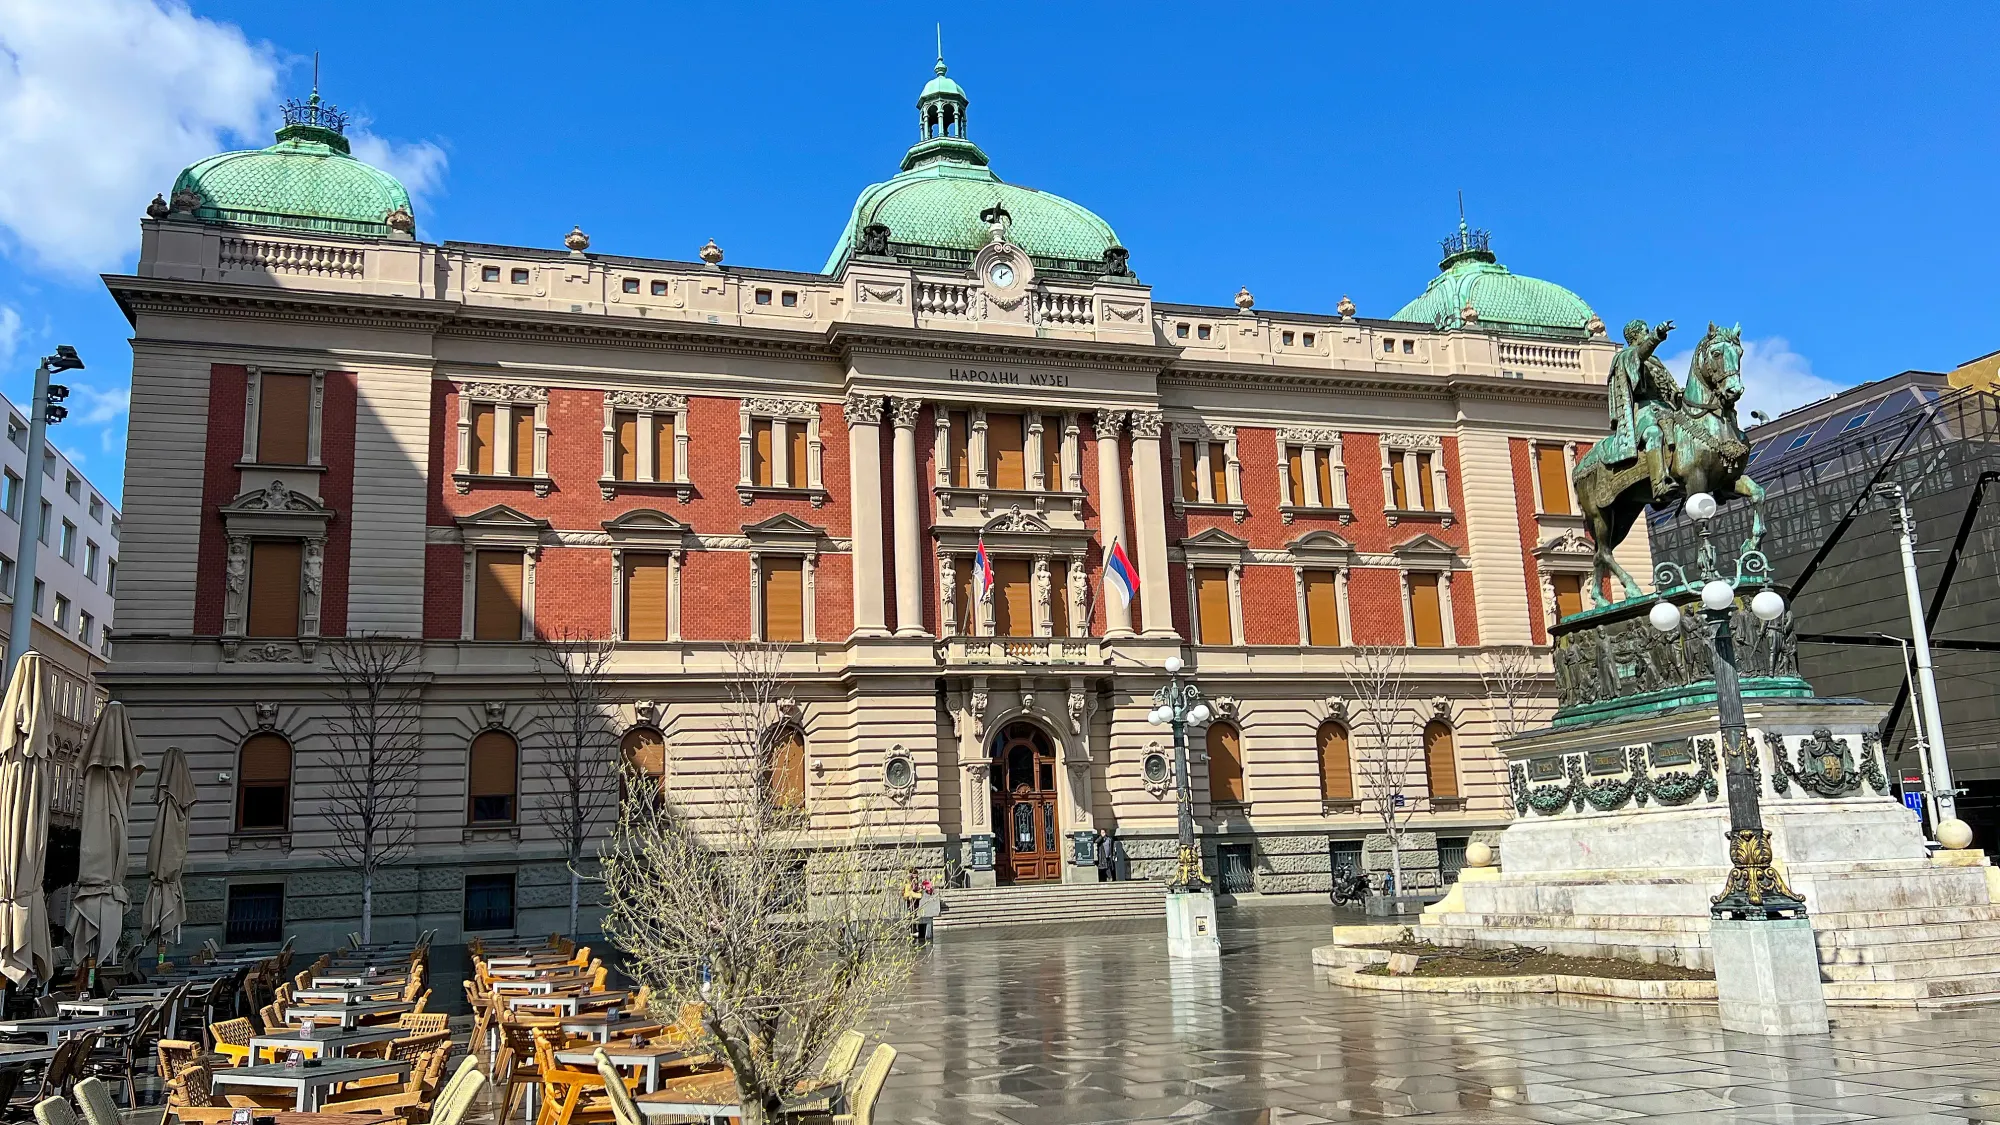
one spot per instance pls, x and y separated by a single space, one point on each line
711 253
1345 308
276 497
272 652
1076 711
186 200
1441 708
1156 771
1309 435
236 571
977 701
1107 424
1570 542
1336 708
646 712
660 402
267 716
1825 766
863 409
1412 441
1469 314
791 710
1210 431
401 221
503 392
1609 779
1594 326
158 208
1147 423
899 775
496 712
1244 299
1117 261
1226 706
788 407
1016 520
874 240
903 412
576 240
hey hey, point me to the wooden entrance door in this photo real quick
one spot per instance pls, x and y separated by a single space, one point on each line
1024 805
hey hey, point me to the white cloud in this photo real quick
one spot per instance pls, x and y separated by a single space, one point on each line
420 165
95 407
10 334
1775 378
101 103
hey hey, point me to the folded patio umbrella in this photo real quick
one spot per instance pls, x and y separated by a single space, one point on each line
27 773
166 852
111 766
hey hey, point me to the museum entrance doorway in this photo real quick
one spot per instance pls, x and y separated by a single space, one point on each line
1024 805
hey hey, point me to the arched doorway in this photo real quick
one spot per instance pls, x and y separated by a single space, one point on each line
1023 784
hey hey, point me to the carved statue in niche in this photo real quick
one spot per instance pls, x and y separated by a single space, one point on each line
237 573
948 587
1044 583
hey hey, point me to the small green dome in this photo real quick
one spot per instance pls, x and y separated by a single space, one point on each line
932 209
1502 299
305 181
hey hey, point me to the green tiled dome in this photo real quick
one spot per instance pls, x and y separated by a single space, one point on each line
306 181
932 209
1502 299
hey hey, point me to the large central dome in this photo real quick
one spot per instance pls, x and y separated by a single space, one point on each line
308 180
932 209
1471 278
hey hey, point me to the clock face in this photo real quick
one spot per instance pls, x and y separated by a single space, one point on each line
1001 274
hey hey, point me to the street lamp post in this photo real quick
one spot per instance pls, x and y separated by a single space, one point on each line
1180 704
1766 963
45 412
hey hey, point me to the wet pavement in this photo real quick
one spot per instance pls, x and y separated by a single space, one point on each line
1091 1024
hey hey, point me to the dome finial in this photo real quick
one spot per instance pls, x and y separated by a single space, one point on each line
1465 242
313 120
940 41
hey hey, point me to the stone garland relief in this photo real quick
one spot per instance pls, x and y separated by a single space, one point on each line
1628 658
1565 780
1825 767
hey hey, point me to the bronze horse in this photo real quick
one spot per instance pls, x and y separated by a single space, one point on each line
1705 452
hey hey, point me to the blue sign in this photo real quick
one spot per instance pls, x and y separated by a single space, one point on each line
1915 801
1401 800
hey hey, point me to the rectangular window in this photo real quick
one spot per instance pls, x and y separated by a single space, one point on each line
665 451
795 455
1569 594
1552 475
524 441
73 485
630 285
1211 599
1388 345
645 597
1287 337
1426 616
1218 472
62 613
1322 608
42 529
519 277
479 458
1409 347
496 594
1006 455
284 409
13 496
625 446
86 628
1059 598
68 541
1180 331
17 432
49 465
275 569
1295 474
1190 473
489 902
41 588
961 450
763 296
1201 332
1323 469
97 508
789 299
1426 497
256 914
784 599
489 273
1399 489
1052 438
106 646
659 289
110 577
761 465
1013 598
1309 339
490 778
6 576
117 527
962 600
264 784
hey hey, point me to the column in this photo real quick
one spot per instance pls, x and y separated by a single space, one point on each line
864 479
909 563
1111 513
1149 518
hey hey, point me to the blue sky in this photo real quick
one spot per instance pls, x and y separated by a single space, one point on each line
1821 173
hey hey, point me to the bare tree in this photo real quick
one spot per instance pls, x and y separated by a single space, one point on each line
1389 751
1512 675
578 771
779 917
372 802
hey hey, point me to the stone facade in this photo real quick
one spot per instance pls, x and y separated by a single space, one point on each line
936 410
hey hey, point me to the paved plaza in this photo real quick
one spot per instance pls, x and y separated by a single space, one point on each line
1041 1027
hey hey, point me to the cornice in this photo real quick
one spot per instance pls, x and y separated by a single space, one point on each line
171 297
850 340
481 322
1437 387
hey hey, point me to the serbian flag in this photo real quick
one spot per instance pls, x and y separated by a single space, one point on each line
1118 571
982 573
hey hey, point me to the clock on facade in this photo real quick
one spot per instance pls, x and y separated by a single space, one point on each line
1001 274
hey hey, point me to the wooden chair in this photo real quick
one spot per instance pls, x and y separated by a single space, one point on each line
231 1040
174 1055
423 1023
190 1097
569 1096
410 1099
861 1099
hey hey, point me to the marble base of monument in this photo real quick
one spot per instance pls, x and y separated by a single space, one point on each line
1767 976
1191 929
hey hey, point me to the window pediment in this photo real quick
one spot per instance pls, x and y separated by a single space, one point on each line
1214 546
785 532
646 527
501 526
1323 547
1014 532
276 510
1425 548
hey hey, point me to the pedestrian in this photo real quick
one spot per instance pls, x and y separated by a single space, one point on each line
913 897
930 904
1104 871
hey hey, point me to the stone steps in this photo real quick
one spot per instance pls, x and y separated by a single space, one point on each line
1849 942
1976 964
1047 903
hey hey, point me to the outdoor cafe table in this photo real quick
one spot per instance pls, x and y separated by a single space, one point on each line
529 960
601 1027
325 1042
54 1030
25 1053
542 984
311 1084
566 1004
522 972
360 995
714 1095
361 980
348 1015
104 1007
647 1060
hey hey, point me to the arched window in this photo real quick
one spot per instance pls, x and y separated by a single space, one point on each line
785 763
1440 759
645 749
264 784
1336 770
491 777
1225 764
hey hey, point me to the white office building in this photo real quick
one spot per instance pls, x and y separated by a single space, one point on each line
76 572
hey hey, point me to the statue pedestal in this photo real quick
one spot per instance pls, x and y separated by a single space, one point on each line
1191 932
1767 976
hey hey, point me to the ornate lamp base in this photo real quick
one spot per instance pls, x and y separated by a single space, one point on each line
1755 889
1188 875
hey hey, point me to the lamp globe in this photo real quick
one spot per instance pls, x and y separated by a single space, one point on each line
1665 616
1717 595
1768 605
1174 665
1701 506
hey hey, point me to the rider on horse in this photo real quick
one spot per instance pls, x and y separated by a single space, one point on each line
1642 391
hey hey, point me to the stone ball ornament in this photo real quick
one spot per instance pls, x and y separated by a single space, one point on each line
1955 835
1717 595
1665 616
1478 855
1768 605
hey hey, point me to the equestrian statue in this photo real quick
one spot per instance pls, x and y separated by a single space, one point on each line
1667 442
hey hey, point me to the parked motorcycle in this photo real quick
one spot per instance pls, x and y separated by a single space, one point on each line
1350 888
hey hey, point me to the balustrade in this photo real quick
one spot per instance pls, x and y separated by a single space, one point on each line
302 258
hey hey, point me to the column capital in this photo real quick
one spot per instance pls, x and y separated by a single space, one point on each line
863 409
1108 423
1146 423
903 412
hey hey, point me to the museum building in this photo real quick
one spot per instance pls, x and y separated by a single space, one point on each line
341 430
